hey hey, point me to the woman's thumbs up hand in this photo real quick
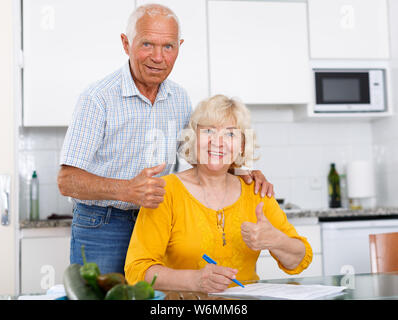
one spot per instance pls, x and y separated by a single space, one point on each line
260 235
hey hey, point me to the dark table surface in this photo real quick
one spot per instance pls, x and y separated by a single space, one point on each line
374 286
363 286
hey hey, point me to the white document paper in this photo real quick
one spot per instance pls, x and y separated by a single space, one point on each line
40 297
282 291
53 293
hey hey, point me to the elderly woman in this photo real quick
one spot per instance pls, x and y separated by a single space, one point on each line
207 210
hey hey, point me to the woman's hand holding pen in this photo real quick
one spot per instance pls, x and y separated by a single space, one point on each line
213 278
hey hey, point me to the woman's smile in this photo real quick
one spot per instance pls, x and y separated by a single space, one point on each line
215 154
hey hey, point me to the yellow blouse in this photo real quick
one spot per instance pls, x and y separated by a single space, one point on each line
182 229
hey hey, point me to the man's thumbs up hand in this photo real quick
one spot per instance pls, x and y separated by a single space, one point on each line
150 172
260 235
146 190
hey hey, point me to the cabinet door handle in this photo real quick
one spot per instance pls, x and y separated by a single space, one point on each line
5 199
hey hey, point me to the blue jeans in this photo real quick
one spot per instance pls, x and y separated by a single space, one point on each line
105 234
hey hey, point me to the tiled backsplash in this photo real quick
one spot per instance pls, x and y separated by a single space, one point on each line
294 156
386 158
39 150
385 137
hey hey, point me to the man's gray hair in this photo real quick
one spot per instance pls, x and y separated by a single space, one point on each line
151 9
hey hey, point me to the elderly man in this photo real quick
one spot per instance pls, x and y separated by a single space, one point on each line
107 159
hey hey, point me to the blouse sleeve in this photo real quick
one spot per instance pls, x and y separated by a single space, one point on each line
149 240
278 219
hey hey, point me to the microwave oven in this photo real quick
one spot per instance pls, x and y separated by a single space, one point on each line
349 90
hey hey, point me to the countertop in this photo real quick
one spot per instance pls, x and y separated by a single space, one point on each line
56 223
332 214
321 214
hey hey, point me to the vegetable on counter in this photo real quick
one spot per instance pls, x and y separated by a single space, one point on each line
85 282
76 287
89 272
121 292
142 290
108 280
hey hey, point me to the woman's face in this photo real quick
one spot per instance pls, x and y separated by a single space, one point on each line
218 146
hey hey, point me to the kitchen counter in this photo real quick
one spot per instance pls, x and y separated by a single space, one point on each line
321 214
340 213
56 223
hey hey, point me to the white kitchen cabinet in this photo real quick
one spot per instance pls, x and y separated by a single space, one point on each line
345 244
67 45
348 29
9 149
259 51
44 258
191 67
267 267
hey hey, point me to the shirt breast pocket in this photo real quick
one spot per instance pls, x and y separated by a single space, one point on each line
125 130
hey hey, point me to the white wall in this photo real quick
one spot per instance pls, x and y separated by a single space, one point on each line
385 132
7 144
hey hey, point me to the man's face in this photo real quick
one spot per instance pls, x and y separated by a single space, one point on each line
154 49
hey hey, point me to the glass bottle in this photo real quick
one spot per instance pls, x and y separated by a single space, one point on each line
34 197
343 191
334 188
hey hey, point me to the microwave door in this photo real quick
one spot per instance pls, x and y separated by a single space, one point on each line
342 91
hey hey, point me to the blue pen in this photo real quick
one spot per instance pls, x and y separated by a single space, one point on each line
210 260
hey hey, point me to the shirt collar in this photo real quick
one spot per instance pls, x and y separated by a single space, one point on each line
129 88
164 90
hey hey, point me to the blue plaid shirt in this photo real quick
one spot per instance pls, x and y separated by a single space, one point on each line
116 131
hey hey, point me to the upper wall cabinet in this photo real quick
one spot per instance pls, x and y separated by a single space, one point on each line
348 29
67 45
259 51
191 67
